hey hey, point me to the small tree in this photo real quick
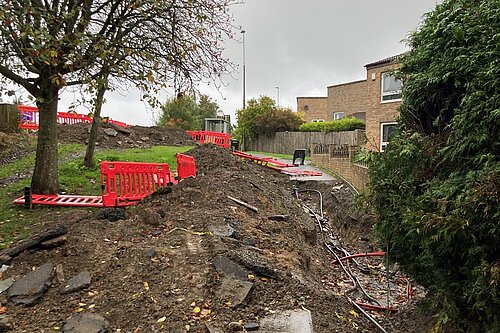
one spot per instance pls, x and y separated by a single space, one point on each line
47 45
184 112
262 116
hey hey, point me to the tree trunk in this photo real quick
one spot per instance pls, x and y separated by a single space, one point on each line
89 154
45 178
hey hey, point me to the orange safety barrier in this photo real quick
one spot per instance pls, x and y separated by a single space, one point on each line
125 183
72 118
186 166
219 139
277 165
29 118
118 123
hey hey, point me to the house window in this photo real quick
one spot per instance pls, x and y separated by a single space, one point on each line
318 120
391 88
387 130
338 115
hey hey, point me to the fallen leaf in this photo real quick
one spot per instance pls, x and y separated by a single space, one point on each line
3 309
354 314
146 285
196 309
193 304
162 319
91 306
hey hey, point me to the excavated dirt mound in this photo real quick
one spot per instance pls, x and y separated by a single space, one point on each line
112 136
164 269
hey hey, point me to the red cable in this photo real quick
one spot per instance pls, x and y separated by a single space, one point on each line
367 254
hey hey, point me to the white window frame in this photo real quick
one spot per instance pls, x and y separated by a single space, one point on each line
383 144
338 115
390 93
317 121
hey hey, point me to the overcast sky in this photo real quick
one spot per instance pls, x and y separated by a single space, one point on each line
297 45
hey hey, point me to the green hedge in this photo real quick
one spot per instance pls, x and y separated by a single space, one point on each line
341 125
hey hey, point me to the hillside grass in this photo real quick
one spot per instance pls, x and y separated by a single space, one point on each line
16 222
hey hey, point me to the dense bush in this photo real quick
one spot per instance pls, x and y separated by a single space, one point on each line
436 188
278 120
344 124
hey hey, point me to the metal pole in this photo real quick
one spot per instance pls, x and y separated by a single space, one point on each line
244 71
278 94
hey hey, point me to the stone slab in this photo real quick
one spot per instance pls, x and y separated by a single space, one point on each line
86 323
76 283
30 288
291 321
6 284
230 268
234 290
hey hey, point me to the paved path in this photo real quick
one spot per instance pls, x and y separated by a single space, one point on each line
307 166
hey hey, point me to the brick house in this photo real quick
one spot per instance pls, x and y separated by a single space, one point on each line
374 100
313 108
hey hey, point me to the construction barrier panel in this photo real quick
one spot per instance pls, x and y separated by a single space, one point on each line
219 139
186 166
72 118
29 118
125 183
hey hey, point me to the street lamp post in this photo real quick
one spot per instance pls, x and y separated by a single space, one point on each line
244 70
278 95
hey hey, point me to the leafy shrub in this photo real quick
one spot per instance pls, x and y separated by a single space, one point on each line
278 120
344 124
436 188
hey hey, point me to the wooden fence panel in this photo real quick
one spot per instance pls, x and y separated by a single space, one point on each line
287 142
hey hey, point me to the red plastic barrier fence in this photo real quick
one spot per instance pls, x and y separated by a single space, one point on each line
72 118
219 139
118 123
29 118
125 183
186 166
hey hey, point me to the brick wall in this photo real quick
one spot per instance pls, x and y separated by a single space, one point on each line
349 98
313 107
341 162
378 112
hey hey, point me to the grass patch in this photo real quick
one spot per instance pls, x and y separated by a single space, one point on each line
16 222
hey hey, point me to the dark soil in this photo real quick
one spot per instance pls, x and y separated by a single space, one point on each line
150 271
129 137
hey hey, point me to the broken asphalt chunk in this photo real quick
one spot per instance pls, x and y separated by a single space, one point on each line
79 282
292 321
6 284
230 268
30 288
86 323
234 291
